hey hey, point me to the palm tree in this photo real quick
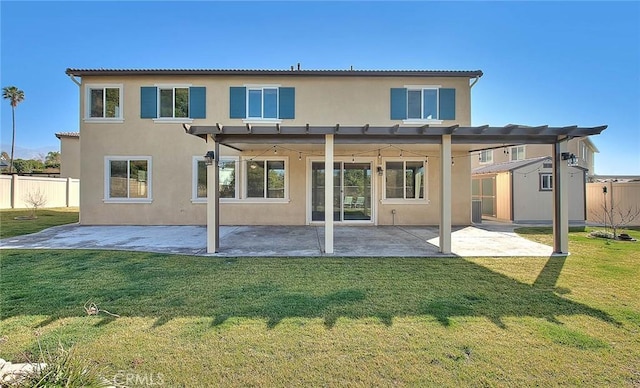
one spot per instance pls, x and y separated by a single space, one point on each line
15 96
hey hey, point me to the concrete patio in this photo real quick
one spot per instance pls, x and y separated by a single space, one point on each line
491 240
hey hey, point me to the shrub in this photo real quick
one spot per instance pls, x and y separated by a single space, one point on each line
601 234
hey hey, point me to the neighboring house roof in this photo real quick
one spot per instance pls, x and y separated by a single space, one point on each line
508 166
367 73
616 178
60 135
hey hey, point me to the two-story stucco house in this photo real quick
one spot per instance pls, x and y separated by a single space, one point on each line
514 182
396 143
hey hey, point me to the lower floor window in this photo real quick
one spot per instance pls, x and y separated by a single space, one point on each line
226 176
404 180
128 178
546 182
265 179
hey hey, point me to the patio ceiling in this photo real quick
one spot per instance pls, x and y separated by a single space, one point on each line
366 134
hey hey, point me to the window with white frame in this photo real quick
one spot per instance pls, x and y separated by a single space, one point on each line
486 156
128 178
546 182
173 102
104 102
227 182
583 150
262 102
266 178
422 104
517 153
405 179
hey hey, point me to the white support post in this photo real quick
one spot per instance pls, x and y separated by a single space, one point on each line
445 195
213 204
560 200
328 194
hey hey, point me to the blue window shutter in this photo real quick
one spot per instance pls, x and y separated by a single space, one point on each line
197 102
447 109
287 103
398 103
148 102
237 102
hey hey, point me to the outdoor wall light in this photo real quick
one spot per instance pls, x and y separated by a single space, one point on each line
380 171
570 158
209 157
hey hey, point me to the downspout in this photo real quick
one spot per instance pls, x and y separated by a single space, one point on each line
475 81
75 81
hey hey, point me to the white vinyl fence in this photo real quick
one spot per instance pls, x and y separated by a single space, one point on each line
17 192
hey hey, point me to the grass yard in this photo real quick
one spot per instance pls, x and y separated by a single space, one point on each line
201 321
10 226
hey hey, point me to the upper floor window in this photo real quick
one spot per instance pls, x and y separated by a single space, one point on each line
261 103
227 182
266 178
127 179
405 179
423 103
517 153
104 102
583 151
173 102
486 156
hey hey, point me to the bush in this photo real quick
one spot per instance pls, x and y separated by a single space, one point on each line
601 234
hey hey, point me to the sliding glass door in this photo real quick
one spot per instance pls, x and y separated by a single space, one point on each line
351 191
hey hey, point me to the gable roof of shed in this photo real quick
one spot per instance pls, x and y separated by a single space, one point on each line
508 166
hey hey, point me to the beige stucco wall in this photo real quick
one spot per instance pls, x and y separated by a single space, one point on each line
319 101
69 157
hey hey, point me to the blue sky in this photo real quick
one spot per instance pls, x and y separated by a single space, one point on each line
556 63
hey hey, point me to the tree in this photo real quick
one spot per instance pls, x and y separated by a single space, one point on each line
27 166
4 157
35 199
613 215
15 96
52 159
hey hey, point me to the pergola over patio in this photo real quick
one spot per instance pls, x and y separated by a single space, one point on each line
237 137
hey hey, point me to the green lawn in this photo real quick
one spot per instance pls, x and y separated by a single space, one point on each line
195 321
10 226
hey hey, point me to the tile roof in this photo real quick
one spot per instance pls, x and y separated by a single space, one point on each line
379 73
67 134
